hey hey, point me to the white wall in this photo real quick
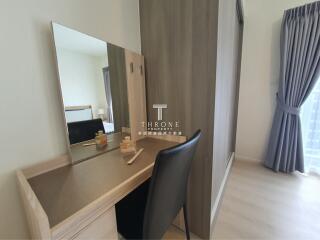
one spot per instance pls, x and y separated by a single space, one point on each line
82 80
259 74
31 128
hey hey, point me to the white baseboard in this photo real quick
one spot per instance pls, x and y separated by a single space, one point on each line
245 158
221 189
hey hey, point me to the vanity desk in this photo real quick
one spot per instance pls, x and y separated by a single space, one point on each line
81 195
78 201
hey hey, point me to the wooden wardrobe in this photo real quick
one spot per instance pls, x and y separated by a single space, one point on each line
192 57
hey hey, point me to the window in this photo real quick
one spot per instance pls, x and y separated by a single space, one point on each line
310 119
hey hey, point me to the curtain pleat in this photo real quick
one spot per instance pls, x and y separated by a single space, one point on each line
299 71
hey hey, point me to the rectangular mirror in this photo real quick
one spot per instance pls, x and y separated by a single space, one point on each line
94 91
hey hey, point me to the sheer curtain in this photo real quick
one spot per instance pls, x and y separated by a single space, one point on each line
310 119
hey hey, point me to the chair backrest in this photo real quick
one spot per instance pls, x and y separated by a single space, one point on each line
168 187
84 130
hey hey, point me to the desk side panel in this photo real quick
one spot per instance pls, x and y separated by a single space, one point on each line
37 219
46 166
104 227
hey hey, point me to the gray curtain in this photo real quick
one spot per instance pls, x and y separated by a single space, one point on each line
300 68
109 111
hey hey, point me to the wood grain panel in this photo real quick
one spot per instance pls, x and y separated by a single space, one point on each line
179 45
171 138
79 199
136 93
191 49
37 219
65 191
46 166
104 227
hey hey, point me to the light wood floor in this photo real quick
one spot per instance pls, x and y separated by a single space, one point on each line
175 233
261 204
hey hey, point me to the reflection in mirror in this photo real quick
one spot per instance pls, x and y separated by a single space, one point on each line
94 92
118 87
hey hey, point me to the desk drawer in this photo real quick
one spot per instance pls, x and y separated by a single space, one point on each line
104 227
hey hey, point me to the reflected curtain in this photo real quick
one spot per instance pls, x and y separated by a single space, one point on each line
299 71
109 112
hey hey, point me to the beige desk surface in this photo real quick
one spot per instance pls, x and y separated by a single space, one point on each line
64 191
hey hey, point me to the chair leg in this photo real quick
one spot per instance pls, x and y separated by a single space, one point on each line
185 215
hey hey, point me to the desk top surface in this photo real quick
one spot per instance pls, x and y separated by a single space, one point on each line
64 191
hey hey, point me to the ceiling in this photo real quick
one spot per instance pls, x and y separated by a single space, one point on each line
73 40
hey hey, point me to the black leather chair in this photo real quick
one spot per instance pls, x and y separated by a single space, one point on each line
84 130
166 195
